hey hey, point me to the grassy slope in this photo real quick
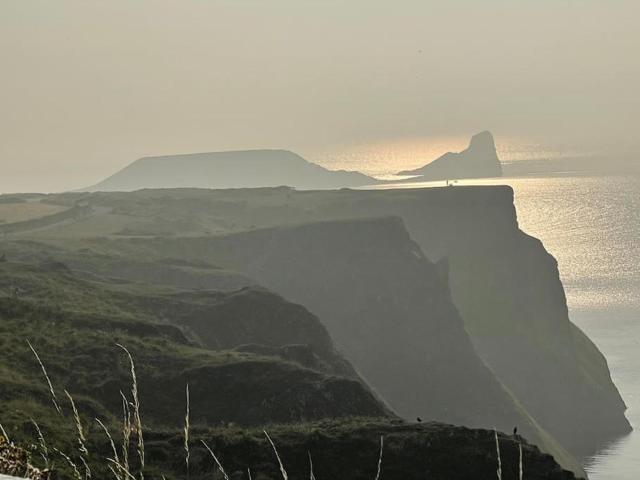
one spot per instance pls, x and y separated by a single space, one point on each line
75 326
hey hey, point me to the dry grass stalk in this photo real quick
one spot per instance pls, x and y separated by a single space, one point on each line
125 474
44 451
81 438
275 450
54 399
499 471
136 409
126 431
87 470
311 474
112 470
186 431
249 473
380 458
71 463
220 467
114 450
520 463
4 434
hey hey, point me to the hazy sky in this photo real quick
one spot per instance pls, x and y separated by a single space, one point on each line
88 86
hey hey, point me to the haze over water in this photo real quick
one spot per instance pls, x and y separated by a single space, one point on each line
591 225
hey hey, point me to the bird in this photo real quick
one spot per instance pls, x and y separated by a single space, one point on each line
419 420
515 431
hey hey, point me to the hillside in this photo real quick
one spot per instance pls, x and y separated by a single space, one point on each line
251 385
503 283
77 323
235 169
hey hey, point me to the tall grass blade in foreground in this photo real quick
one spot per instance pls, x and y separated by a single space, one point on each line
220 467
311 475
520 466
186 431
4 434
44 451
136 409
87 470
54 399
114 450
499 471
81 438
71 463
125 473
275 450
380 458
126 431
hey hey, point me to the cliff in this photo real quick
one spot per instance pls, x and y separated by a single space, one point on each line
503 283
477 161
250 385
236 169
386 306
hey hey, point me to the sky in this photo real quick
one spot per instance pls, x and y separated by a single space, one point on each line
88 86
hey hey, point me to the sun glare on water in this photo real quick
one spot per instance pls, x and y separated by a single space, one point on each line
384 159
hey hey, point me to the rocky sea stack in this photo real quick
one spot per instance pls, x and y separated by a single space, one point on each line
479 160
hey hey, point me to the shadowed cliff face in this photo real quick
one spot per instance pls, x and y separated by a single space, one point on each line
508 291
386 306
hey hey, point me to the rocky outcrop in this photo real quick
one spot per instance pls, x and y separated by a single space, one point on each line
479 160
240 169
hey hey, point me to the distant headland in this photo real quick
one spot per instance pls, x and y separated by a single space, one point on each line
479 160
273 168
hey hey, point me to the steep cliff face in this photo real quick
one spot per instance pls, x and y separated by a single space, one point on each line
387 308
508 291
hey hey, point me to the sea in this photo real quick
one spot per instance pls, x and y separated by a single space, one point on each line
586 211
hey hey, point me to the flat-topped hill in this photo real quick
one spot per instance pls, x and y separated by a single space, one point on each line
234 169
